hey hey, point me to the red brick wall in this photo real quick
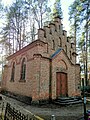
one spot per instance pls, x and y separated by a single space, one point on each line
37 73
62 64
4 78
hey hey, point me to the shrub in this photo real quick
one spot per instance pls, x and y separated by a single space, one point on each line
86 89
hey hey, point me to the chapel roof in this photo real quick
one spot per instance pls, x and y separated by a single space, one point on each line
53 55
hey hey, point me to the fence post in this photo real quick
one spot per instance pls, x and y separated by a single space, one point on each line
5 112
2 114
53 117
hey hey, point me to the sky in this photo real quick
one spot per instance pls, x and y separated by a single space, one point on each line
64 4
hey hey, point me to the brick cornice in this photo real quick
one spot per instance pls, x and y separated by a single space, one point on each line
26 48
40 56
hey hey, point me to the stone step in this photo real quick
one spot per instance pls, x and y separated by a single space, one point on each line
65 101
68 103
68 100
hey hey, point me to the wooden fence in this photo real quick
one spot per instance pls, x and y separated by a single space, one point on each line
12 114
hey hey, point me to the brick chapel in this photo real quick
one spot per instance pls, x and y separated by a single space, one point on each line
46 68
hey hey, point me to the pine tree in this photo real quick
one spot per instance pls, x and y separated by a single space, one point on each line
74 17
79 20
23 17
57 10
39 8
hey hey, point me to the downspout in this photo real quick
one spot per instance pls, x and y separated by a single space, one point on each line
50 82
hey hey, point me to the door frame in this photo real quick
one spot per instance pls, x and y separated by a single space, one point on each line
59 82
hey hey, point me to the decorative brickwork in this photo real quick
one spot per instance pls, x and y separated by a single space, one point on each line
51 54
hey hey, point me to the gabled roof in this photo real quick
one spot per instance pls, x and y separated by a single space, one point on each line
53 55
57 52
29 46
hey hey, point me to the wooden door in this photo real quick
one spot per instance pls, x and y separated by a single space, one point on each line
61 89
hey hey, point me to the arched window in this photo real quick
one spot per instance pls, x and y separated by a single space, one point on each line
23 69
13 72
70 55
60 42
66 49
53 45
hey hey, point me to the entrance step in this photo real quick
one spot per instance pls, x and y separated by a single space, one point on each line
67 100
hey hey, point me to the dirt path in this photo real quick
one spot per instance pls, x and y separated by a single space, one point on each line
71 112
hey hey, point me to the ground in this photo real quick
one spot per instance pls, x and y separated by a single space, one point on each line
71 112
